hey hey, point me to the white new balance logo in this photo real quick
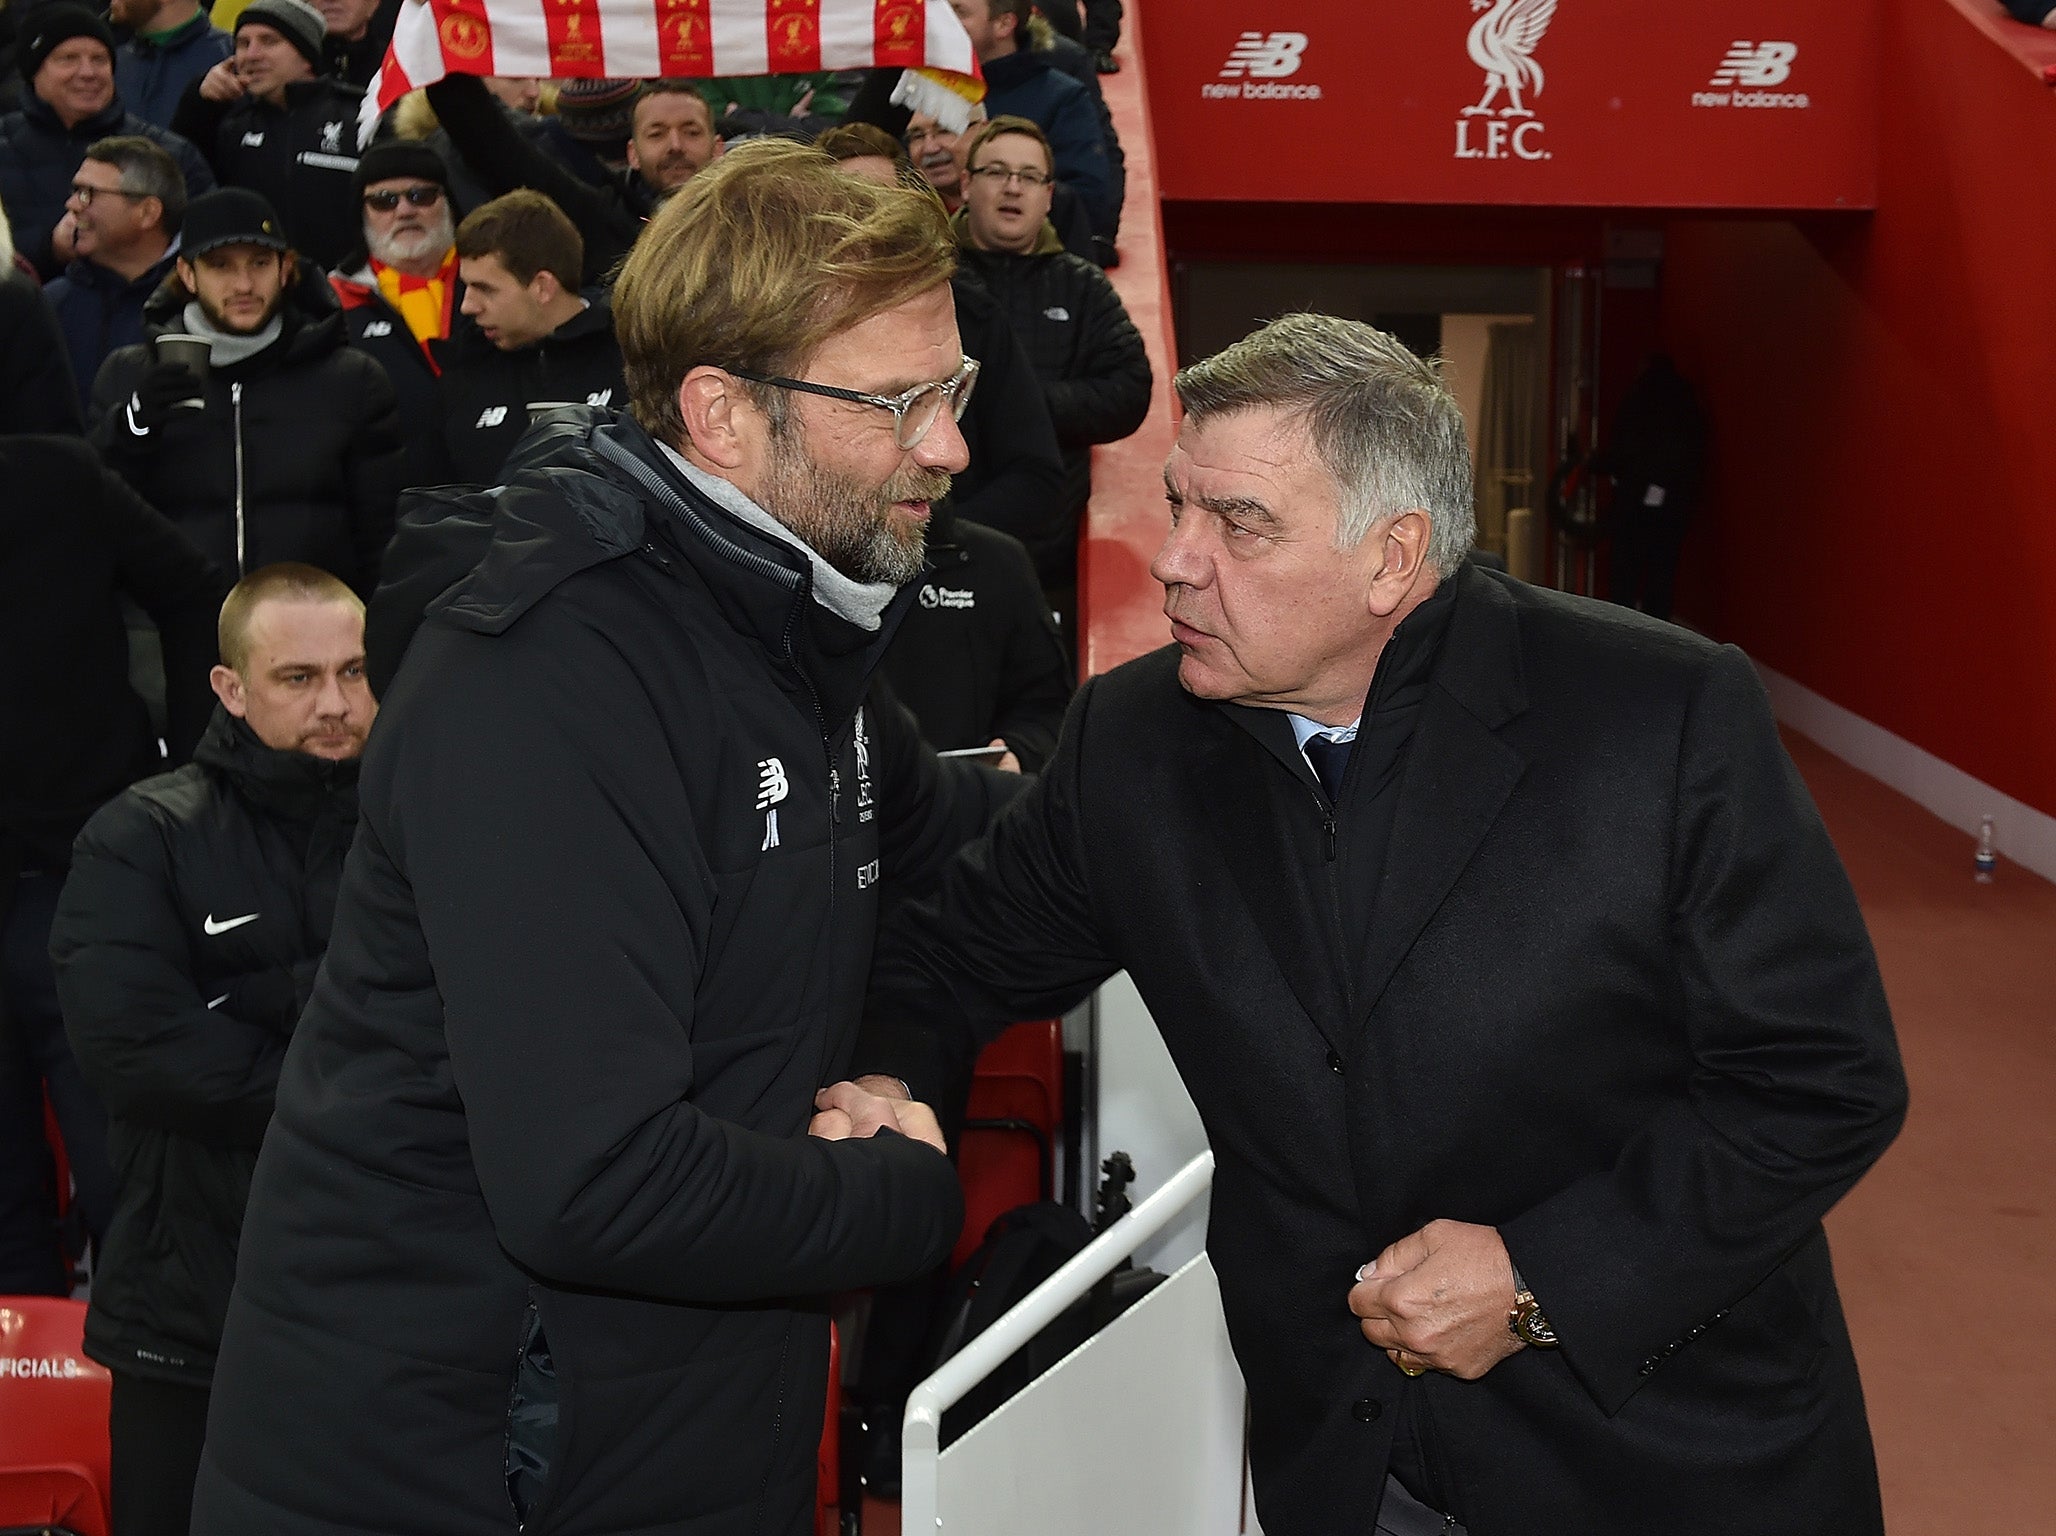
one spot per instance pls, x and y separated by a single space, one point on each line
1262 57
771 783
1756 64
378 328
491 416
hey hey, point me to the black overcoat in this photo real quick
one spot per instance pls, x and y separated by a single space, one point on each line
1611 995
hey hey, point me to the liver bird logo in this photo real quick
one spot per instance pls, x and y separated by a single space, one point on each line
1502 44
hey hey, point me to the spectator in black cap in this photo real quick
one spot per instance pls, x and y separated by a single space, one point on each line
400 289
294 452
269 120
67 59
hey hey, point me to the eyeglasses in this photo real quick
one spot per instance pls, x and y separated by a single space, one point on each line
1000 175
420 197
913 412
84 193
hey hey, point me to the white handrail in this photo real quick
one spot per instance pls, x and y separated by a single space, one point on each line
921 1437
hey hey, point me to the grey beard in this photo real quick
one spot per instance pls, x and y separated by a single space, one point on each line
437 238
846 523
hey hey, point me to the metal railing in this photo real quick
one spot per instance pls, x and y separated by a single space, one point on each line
921 1441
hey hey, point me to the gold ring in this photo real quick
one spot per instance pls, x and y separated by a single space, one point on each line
1399 1359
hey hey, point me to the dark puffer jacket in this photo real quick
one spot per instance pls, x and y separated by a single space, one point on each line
185 943
604 933
101 312
296 456
1095 372
39 155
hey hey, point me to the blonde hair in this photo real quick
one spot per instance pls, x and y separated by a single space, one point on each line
287 580
757 261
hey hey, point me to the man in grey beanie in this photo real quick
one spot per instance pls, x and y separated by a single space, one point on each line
268 119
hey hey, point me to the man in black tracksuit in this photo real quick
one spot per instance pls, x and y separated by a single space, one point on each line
543 1228
295 454
269 120
978 657
531 338
1095 374
186 941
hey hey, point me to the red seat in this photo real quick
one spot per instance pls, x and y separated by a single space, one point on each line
828 1467
1008 1152
53 1418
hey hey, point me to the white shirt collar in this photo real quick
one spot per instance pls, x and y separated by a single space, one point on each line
1303 729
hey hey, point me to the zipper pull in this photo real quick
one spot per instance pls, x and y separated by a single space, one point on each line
1328 832
835 796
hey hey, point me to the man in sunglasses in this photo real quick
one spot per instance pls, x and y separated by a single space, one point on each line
400 289
543 1228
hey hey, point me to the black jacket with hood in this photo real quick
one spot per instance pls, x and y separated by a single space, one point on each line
483 395
604 932
1095 373
185 944
295 457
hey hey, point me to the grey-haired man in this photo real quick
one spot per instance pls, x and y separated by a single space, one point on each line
1526 1004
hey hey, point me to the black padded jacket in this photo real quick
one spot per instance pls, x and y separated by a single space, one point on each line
604 933
185 943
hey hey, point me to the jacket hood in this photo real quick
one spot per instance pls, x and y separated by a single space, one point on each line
590 486
314 325
1012 69
292 785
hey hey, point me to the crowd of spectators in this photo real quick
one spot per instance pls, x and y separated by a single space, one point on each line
237 351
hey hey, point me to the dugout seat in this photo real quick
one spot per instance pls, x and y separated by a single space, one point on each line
53 1420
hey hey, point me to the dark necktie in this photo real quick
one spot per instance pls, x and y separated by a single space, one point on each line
1330 759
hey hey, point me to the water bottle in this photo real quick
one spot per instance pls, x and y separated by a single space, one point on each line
1987 856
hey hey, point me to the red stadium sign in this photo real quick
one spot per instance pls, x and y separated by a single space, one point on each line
1588 103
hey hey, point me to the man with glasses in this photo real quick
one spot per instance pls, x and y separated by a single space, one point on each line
66 54
1095 374
400 289
545 1221
127 200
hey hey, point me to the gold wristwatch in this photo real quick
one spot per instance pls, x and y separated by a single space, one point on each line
1526 1322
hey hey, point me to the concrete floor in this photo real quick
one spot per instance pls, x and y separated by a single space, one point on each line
1947 1251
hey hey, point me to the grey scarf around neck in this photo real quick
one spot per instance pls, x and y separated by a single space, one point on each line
226 347
861 603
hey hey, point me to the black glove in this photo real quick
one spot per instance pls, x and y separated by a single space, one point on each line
161 388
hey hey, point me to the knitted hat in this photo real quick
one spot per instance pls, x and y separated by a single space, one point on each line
294 20
598 112
390 159
230 216
52 25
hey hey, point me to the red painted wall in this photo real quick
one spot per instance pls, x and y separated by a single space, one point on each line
1882 521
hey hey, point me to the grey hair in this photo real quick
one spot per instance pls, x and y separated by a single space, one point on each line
1378 417
146 170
